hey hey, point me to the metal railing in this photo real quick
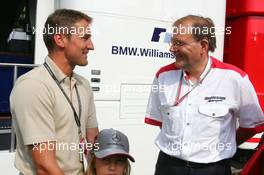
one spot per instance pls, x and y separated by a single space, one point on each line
15 67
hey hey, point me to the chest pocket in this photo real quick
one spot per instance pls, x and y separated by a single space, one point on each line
214 120
213 110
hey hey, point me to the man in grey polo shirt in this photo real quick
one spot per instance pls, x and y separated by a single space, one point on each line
53 107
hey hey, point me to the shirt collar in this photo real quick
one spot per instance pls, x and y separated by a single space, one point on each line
207 68
202 76
58 72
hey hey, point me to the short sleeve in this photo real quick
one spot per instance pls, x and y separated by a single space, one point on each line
153 114
250 112
31 107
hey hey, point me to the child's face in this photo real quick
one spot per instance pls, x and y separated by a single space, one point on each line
112 165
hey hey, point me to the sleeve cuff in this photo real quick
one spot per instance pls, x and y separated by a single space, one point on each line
152 122
257 129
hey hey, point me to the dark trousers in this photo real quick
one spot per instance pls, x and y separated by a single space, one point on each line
168 165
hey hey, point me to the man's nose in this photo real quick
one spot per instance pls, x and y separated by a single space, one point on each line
173 48
90 44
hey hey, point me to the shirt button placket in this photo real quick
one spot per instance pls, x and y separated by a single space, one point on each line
186 147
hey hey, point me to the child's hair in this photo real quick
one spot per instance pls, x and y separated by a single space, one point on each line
92 171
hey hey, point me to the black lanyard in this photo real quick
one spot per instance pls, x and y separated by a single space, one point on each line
77 119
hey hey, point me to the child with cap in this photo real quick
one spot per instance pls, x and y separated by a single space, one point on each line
110 154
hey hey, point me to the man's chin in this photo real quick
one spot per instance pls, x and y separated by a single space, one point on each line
179 64
83 63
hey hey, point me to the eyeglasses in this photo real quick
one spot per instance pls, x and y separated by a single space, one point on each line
178 43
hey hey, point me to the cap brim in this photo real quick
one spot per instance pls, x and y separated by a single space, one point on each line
110 152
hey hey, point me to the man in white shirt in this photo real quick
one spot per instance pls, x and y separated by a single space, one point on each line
198 104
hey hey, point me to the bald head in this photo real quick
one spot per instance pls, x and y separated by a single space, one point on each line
199 27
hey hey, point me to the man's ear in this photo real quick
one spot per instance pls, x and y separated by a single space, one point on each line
205 45
59 40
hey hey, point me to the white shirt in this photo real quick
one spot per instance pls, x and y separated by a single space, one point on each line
202 128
